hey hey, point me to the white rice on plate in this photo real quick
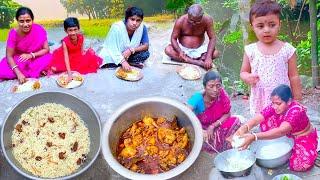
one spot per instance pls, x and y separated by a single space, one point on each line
50 141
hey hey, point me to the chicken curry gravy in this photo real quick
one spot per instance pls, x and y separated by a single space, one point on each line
153 145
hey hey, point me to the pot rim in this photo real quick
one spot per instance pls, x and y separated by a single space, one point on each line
115 165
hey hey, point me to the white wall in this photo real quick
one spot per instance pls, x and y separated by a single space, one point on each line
46 9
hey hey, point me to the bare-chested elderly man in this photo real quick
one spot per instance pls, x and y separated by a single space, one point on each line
187 39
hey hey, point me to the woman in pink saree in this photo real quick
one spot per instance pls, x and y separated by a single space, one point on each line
27 53
212 108
285 117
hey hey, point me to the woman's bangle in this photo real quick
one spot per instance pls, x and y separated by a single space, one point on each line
255 136
15 66
33 55
132 50
219 122
122 60
248 128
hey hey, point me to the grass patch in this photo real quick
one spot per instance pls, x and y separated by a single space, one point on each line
161 18
4 34
96 28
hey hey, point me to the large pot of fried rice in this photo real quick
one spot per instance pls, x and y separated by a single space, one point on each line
51 135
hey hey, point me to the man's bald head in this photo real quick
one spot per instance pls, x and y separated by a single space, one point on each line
195 10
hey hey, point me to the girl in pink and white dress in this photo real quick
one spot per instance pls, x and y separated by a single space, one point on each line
268 62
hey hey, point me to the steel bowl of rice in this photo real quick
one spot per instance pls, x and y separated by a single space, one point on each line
51 135
272 153
234 163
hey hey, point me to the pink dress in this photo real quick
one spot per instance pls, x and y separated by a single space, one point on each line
304 152
85 63
210 115
272 71
31 42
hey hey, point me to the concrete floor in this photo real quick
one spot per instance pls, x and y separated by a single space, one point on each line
106 93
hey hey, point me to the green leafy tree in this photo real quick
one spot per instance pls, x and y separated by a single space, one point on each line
116 8
8 9
94 9
178 7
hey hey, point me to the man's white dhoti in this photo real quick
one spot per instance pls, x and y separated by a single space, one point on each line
194 53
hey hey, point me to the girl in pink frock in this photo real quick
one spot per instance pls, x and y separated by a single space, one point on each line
27 52
285 117
212 107
71 56
268 62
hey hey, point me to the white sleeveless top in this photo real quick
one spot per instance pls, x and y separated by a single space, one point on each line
272 71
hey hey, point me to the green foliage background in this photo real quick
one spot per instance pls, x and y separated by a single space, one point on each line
7 12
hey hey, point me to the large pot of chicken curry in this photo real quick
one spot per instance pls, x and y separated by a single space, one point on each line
154 137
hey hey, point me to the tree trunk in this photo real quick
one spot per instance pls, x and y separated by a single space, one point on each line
94 15
314 42
247 32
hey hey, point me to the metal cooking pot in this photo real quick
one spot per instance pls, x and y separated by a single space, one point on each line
222 164
84 110
156 107
272 162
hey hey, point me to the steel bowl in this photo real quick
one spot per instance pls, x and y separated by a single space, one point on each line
286 177
280 160
133 111
222 164
83 109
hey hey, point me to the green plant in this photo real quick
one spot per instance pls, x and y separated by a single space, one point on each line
304 55
284 37
241 87
232 4
235 87
3 34
227 84
232 37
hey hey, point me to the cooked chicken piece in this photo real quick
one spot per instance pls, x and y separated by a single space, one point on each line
127 142
137 140
128 152
152 150
170 159
161 120
166 135
181 157
183 141
148 121
134 168
152 140
163 153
